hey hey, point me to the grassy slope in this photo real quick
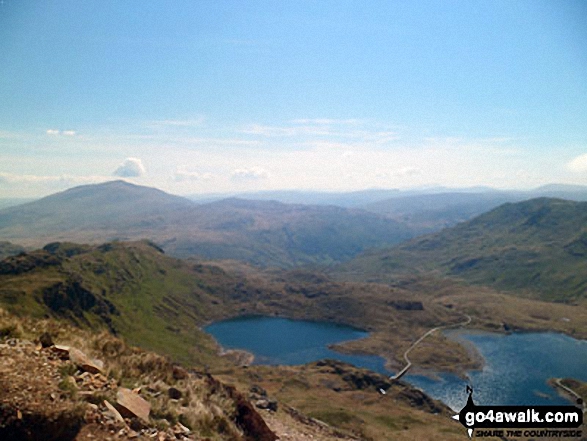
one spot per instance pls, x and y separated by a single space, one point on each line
538 247
152 300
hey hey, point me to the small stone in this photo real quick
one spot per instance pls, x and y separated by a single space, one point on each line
272 405
61 351
182 429
258 390
174 393
46 340
264 403
136 424
114 412
179 373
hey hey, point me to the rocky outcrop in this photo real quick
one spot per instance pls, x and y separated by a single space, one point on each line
26 262
58 392
78 358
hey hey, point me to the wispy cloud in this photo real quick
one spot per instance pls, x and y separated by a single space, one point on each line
55 132
249 174
65 179
269 131
183 175
329 130
4 134
403 172
327 121
193 122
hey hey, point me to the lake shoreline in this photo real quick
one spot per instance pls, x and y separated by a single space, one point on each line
490 378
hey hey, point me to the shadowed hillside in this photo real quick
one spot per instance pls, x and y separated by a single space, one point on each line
537 246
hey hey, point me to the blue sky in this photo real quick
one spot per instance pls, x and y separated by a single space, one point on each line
209 96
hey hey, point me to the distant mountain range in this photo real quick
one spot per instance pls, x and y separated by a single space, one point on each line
439 209
261 232
538 247
423 210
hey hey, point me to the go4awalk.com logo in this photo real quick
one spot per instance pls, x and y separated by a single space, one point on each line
520 421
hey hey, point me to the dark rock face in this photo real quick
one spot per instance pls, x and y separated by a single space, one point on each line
245 415
407 305
360 380
248 419
26 262
356 378
27 426
71 296
420 400
65 249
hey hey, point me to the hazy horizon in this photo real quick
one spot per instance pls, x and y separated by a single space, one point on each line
208 98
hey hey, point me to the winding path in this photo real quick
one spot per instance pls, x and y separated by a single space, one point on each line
571 392
408 362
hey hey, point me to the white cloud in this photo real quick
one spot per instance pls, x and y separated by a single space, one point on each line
130 168
326 121
195 122
55 132
406 172
326 130
579 164
269 131
182 175
250 174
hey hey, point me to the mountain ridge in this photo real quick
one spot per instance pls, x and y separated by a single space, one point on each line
261 232
536 246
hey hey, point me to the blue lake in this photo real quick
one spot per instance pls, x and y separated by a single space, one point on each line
516 369
275 340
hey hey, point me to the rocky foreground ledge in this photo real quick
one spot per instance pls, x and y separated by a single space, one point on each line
59 393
